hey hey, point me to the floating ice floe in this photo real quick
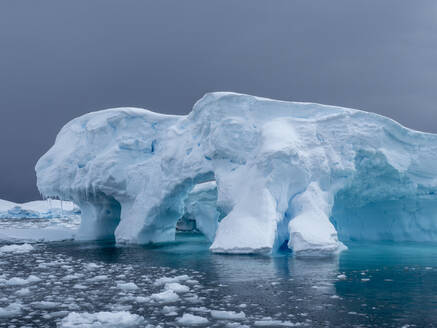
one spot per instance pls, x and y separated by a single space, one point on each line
17 281
192 320
167 280
257 175
118 319
277 323
167 296
228 315
127 286
177 287
11 310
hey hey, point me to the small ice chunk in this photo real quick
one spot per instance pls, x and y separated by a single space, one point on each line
142 299
177 287
98 278
193 299
167 296
165 280
192 320
56 314
127 286
228 315
199 309
235 325
16 281
12 310
91 266
117 319
170 311
44 305
72 276
23 292
276 323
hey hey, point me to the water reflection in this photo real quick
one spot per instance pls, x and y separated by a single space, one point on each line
379 283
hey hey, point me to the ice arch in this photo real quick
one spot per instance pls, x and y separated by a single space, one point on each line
201 206
161 221
382 203
100 217
300 174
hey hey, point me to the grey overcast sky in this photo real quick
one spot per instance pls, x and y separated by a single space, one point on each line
60 59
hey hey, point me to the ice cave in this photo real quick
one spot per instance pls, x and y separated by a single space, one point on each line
255 175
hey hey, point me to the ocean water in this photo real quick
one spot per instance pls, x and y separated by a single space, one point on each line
77 284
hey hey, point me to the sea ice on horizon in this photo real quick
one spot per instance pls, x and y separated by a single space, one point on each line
38 221
38 209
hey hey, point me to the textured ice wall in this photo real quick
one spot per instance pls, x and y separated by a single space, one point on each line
298 174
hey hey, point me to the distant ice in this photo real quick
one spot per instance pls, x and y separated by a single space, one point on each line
37 234
40 209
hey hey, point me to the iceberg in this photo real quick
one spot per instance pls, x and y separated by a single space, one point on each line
257 175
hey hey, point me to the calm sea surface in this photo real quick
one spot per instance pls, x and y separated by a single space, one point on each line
370 285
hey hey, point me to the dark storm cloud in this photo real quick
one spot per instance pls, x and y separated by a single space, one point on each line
60 59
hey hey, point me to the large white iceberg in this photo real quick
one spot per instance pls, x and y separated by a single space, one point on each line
277 174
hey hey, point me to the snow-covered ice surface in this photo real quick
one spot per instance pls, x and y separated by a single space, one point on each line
38 221
277 174
39 230
72 284
38 209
